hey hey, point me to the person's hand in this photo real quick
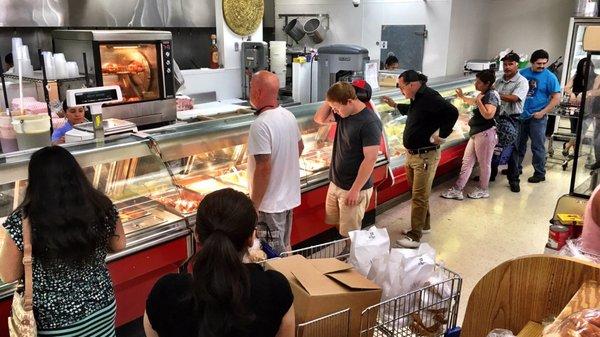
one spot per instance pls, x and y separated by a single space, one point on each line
539 115
352 198
460 93
435 139
387 100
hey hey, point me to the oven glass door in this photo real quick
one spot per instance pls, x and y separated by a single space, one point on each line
132 66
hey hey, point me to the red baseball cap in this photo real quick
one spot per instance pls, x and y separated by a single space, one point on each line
363 90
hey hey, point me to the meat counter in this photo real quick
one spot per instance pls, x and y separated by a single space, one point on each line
137 181
204 157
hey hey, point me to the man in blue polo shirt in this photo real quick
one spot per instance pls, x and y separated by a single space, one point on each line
542 97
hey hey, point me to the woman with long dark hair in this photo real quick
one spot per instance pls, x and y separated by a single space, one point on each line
223 297
73 226
575 88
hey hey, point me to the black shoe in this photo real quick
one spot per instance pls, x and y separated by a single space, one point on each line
536 179
595 166
514 187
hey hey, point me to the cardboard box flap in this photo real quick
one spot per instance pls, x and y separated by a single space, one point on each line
313 281
327 266
354 280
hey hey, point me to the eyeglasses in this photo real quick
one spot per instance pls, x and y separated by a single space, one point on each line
402 87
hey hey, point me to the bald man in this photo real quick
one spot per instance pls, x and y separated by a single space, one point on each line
274 148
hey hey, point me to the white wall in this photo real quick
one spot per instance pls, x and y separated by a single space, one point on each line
469 33
529 25
362 25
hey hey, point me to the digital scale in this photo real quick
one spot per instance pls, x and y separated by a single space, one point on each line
97 128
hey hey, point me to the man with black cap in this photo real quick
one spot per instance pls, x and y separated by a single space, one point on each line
512 87
430 119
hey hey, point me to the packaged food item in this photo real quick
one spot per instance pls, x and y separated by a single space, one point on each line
557 236
585 323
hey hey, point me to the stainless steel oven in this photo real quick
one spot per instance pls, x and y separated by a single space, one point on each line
140 62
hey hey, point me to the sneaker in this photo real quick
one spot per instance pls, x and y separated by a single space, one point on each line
408 242
423 231
476 178
536 179
514 187
453 193
479 193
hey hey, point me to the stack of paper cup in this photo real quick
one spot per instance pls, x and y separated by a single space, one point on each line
26 61
277 53
72 69
17 48
60 66
49 64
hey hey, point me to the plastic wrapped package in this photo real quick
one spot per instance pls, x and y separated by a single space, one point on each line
574 249
585 323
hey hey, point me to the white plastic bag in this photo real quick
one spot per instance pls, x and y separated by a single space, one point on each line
366 245
386 271
501 333
419 266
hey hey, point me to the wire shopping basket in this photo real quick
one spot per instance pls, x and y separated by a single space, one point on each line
430 311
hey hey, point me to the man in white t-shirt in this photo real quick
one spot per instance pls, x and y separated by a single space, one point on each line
274 148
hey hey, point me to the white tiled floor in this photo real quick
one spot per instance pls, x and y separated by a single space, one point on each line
474 236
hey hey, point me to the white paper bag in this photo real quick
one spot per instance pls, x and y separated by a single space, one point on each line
419 266
366 245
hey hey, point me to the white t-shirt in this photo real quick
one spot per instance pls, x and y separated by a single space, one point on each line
276 132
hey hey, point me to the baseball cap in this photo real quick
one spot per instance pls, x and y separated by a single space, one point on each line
514 57
363 90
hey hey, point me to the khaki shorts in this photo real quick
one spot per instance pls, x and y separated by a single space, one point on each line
345 218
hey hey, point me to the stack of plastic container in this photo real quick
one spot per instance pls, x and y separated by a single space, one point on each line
277 53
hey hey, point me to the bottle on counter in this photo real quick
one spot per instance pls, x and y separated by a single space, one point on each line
214 53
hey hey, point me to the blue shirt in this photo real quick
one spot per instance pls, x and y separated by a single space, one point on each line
60 132
541 87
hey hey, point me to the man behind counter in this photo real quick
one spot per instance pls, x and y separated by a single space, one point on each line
430 119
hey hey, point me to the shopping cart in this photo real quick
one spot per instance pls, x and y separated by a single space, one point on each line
431 311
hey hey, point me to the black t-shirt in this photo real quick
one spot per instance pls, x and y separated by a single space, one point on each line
351 135
478 123
170 304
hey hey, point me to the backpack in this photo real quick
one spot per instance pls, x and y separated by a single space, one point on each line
506 130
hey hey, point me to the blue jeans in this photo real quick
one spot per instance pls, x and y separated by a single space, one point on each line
534 129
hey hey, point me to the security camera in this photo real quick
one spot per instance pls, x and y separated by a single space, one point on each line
355 3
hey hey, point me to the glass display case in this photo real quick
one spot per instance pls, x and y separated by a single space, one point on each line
204 157
587 153
128 172
394 123
574 49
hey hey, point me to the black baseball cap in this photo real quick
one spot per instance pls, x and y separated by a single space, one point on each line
514 57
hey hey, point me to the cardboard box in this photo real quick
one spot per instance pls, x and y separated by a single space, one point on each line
326 286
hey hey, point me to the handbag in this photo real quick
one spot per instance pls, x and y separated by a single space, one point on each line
506 130
21 323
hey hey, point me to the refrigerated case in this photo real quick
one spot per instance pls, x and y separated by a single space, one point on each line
574 49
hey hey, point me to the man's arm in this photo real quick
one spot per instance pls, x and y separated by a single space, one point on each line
324 115
364 173
510 98
448 114
260 180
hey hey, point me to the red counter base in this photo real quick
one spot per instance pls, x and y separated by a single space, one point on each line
133 277
309 217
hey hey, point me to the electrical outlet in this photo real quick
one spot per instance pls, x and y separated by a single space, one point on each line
383 45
